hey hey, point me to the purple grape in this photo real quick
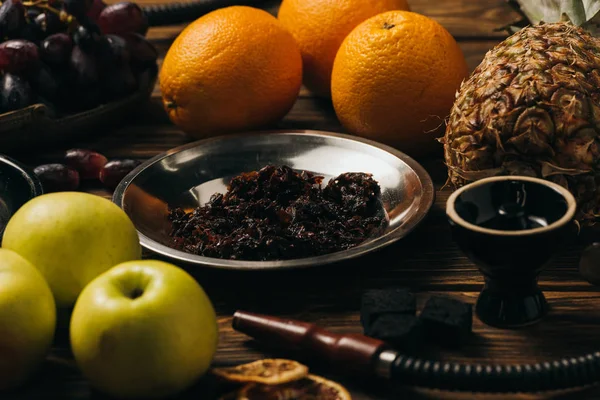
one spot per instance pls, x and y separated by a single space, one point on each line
15 93
85 38
18 55
31 33
57 178
87 162
90 24
12 18
122 18
45 83
114 172
83 69
30 30
118 50
32 13
118 82
83 79
96 9
143 53
77 8
49 23
40 21
56 49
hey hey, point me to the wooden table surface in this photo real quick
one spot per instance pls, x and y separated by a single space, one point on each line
427 261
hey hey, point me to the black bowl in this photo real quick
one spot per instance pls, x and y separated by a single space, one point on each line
18 185
511 226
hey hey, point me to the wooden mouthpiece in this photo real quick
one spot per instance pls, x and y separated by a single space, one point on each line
353 352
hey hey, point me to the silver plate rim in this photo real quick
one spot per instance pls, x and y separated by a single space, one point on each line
427 200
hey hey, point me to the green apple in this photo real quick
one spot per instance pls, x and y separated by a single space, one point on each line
27 319
71 238
144 329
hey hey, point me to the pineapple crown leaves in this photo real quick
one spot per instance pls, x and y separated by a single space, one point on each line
583 13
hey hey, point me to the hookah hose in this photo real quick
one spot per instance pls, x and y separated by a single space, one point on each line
359 354
566 373
179 13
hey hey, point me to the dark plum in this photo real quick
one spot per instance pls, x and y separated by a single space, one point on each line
123 17
57 177
114 172
12 18
18 55
87 162
15 93
56 49
142 52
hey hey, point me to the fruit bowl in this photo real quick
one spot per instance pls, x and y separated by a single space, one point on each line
70 67
188 176
37 125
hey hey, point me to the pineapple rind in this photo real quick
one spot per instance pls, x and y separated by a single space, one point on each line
532 107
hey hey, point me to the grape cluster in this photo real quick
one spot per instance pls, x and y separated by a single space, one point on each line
83 165
71 55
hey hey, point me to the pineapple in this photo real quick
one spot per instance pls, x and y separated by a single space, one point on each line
532 107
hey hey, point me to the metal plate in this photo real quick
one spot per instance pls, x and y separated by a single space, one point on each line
187 176
18 185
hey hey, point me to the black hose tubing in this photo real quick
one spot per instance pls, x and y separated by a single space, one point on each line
179 13
518 378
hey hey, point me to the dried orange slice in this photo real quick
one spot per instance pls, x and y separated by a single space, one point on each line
268 371
311 387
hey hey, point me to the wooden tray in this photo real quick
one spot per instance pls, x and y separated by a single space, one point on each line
37 126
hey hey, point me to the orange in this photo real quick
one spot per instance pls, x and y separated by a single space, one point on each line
395 78
320 26
233 69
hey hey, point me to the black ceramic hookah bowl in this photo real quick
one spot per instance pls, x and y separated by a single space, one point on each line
511 227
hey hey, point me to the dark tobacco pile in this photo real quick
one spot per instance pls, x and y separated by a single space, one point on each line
278 214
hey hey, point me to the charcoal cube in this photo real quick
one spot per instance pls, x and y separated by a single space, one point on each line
402 331
377 302
447 321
